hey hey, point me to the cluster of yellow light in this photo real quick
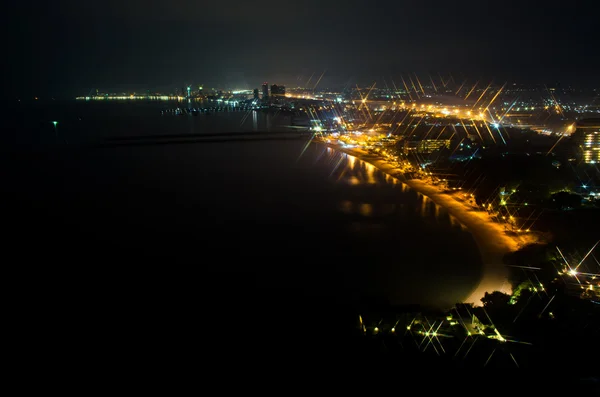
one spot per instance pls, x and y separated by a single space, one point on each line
436 111
591 150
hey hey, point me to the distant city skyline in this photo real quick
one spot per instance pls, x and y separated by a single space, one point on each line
382 83
64 48
335 83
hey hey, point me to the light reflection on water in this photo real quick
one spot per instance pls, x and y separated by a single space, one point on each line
366 209
321 221
424 204
351 161
346 206
350 170
371 173
431 250
367 233
314 219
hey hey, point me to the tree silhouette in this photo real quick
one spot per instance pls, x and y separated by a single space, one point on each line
565 200
495 299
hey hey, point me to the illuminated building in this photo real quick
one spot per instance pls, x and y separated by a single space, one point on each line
425 146
587 139
265 90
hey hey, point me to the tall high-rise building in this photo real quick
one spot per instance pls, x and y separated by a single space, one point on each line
256 95
265 90
587 139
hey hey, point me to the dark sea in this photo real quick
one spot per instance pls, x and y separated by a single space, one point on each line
278 233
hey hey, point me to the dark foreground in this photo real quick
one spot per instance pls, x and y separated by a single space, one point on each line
115 290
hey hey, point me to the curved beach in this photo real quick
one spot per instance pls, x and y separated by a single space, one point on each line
490 237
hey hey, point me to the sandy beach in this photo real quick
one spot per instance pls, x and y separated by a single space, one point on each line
490 236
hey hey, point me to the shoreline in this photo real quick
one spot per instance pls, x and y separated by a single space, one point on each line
491 239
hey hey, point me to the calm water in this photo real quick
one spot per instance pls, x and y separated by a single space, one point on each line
284 216
85 122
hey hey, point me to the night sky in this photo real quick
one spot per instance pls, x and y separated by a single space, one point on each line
65 48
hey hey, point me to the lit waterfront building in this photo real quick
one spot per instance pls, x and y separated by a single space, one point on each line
587 138
425 146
